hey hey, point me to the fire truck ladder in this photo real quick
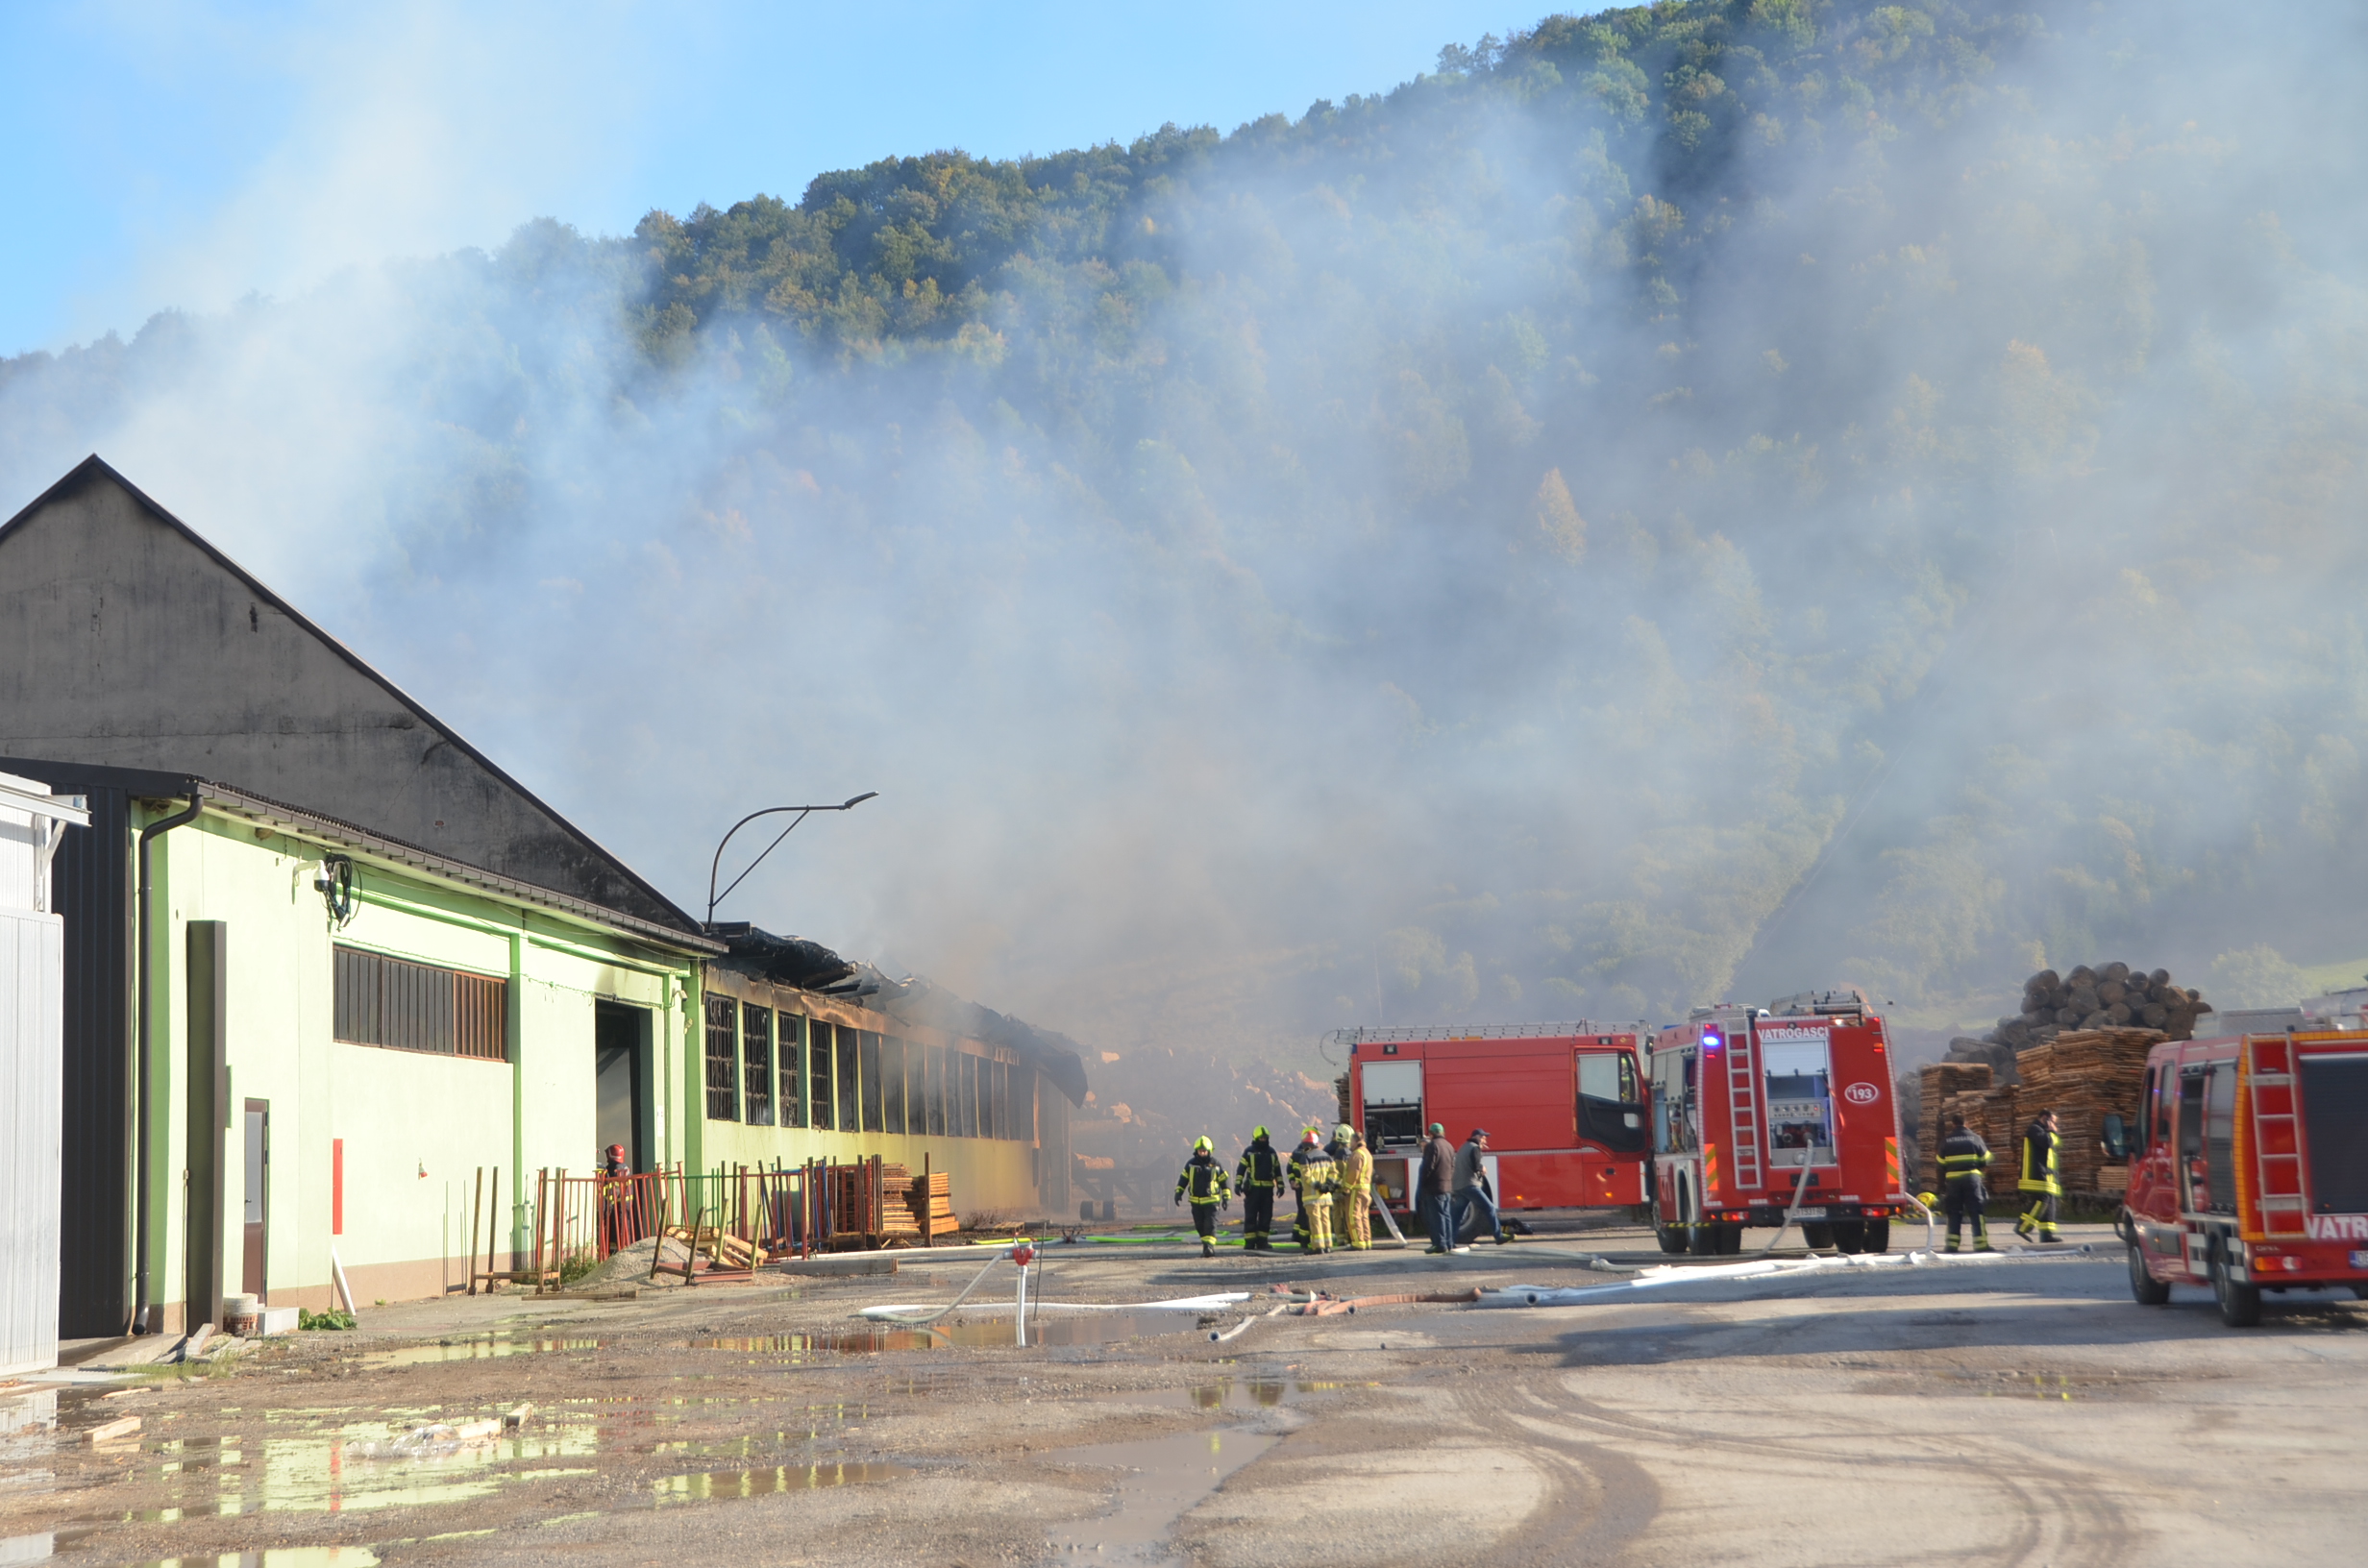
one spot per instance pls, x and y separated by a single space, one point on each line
2277 1176
1743 1110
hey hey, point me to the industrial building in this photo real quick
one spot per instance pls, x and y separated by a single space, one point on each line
325 963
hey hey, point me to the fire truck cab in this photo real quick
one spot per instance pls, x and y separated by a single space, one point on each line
2251 1166
1563 1104
1758 1110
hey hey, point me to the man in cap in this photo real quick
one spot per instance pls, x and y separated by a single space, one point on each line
1313 1177
1259 1174
1473 1190
1357 1191
1204 1182
1435 1185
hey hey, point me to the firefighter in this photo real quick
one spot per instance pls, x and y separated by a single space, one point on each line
1204 1182
2042 1179
1964 1157
1338 1149
1258 1175
1313 1177
1357 1186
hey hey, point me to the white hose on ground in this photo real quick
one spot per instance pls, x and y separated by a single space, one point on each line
906 1313
1243 1327
918 1315
1761 1270
1791 1210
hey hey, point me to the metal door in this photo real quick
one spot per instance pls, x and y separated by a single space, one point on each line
258 1195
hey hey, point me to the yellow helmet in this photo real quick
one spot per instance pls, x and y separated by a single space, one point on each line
1343 1131
1257 1132
1200 1143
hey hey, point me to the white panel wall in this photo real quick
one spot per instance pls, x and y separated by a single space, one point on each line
31 1051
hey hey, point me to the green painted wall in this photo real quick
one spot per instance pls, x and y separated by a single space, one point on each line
416 1127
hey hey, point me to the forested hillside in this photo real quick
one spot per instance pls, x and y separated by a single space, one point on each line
1707 498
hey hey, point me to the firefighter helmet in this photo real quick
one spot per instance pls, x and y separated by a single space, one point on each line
1199 1144
1257 1135
1343 1131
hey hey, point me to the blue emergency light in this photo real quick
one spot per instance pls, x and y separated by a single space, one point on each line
1710 1040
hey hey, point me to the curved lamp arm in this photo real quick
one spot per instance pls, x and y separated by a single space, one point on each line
715 866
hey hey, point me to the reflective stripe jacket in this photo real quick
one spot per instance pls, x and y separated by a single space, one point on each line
1963 1154
1204 1180
1357 1175
2041 1171
1313 1174
1261 1169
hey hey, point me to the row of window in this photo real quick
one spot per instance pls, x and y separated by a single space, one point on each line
782 1069
418 1007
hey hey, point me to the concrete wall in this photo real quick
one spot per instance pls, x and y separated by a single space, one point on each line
124 643
415 1128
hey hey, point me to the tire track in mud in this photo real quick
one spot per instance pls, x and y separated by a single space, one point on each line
2059 1518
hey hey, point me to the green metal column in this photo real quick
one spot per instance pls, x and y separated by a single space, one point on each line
515 1022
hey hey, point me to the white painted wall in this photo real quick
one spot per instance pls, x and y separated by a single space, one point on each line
32 1057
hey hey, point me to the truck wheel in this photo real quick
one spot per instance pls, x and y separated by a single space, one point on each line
1729 1239
1850 1235
2240 1304
1672 1237
2145 1287
1817 1233
1109 1210
1085 1211
1701 1239
1878 1235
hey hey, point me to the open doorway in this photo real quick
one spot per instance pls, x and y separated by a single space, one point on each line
254 1272
621 1070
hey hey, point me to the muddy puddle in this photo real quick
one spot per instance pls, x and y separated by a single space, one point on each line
475 1348
1252 1393
1053 1331
1159 1479
710 1485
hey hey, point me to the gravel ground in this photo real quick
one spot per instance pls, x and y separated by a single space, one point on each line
2025 1412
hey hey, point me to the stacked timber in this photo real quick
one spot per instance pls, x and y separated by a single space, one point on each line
1990 1114
932 1209
724 1249
1936 1083
2083 1075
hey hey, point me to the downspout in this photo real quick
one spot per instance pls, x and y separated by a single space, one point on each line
141 1310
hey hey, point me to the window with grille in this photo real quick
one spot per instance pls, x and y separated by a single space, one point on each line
850 1074
756 1065
418 1007
723 1058
793 1070
891 1083
820 1052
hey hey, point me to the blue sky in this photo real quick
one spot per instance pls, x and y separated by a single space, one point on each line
188 154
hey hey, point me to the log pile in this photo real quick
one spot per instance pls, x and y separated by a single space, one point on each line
1939 1082
2111 997
724 1249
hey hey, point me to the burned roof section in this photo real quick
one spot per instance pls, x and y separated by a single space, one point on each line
787 960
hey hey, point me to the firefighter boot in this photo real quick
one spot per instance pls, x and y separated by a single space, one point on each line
1208 1248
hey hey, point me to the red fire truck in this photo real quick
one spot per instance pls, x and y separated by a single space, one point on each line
1753 1108
2251 1171
1561 1102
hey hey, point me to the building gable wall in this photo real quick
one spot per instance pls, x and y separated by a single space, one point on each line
125 642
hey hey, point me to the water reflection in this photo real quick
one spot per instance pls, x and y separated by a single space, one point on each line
791 1477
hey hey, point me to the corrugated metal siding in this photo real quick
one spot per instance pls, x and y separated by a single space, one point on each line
91 887
31 973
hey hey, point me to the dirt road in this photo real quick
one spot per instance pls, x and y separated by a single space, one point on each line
2025 1412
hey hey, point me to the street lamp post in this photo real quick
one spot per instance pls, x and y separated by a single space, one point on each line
802 812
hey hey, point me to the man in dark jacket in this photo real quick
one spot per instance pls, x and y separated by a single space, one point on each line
1473 1190
2042 1179
1964 1157
1204 1183
1435 1186
1258 1175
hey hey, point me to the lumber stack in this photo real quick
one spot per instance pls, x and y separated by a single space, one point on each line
1990 1114
1936 1083
2083 1075
724 1249
936 1204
